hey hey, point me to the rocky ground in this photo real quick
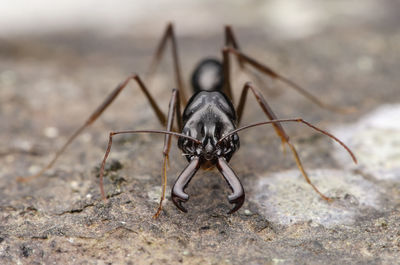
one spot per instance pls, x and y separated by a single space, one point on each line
49 84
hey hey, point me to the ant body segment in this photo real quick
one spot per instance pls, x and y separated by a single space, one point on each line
208 127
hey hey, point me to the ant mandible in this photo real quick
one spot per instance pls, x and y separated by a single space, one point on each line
208 129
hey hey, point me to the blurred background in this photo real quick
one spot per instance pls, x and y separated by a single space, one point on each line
281 19
59 60
57 55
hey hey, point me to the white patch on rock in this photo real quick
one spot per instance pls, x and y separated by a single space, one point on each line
375 140
286 198
51 132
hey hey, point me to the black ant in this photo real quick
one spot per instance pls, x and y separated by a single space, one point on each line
207 131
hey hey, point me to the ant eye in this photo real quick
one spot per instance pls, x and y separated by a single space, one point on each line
235 138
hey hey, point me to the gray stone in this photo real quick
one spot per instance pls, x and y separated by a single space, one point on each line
49 84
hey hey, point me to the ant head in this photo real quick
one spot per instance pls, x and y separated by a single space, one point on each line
211 147
208 76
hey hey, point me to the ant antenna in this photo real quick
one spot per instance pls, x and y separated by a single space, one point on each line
292 120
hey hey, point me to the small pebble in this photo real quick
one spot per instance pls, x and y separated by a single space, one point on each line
23 145
74 184
33 169
381 222
51 132
247 212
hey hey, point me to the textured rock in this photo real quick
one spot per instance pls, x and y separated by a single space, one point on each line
50 83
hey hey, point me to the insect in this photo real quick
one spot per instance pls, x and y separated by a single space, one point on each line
208 126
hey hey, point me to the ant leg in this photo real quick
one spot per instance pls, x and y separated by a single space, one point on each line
169 34
227 75
93 117
268 71
230 41
133 132
278 129
174 105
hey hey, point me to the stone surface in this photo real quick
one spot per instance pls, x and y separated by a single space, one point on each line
49 84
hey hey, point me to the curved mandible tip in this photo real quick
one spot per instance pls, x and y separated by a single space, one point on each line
237 197
178 194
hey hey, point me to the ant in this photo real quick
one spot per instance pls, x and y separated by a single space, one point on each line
208 129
